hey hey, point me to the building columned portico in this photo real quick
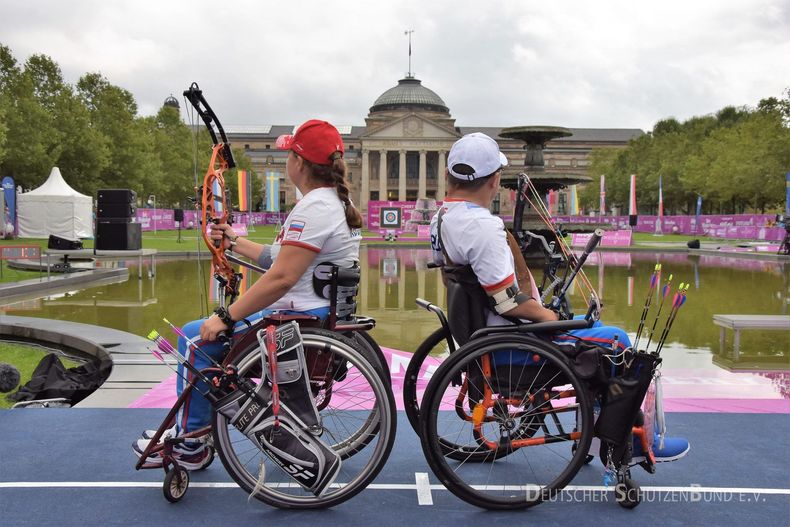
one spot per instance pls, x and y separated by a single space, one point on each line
401 152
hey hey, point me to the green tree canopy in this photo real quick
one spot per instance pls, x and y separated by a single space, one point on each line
93 132
736 160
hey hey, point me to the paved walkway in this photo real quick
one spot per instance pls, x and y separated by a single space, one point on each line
135 371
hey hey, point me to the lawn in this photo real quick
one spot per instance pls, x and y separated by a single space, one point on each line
25 359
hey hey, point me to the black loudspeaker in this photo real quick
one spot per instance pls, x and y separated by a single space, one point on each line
693 244
178 214
63 244
632 220
118 211
115 236
116 195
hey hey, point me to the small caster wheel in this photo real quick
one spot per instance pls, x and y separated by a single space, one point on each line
628 493
176 484
209 458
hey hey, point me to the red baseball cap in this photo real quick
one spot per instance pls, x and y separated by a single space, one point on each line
315 141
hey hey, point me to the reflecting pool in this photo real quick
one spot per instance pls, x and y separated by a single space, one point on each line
393 277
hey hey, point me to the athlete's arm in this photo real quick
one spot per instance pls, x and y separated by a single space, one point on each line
530 309
291 263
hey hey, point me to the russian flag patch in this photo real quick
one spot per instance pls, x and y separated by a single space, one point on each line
295 230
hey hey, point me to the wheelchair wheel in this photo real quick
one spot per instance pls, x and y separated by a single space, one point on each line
374 354
518 400
358 417
418 374
176 484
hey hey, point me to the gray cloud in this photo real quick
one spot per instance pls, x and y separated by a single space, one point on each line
571 63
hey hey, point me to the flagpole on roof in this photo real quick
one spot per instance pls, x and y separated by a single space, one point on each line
408 33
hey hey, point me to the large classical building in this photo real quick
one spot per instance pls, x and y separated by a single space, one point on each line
400 153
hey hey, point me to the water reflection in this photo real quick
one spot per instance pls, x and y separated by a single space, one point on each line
392 278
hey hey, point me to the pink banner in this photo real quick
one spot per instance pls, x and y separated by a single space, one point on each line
163 219
610 238
734 226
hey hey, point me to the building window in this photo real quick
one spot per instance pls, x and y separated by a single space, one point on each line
412 165
246 147
350 177
430 194
268 147
411 195
374 195
351 147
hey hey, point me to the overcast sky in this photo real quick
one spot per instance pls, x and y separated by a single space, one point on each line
574 63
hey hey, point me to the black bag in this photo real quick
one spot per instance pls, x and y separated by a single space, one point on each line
623 398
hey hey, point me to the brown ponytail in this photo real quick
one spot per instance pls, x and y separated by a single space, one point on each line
335 175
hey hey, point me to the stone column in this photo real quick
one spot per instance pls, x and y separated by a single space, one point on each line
364 194
402 176
423 175
440 190
383 175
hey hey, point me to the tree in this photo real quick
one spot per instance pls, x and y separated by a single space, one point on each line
112 111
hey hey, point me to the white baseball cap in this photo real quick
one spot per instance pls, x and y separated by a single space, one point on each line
479 152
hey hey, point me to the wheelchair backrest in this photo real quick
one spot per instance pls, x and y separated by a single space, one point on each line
339 285
467 302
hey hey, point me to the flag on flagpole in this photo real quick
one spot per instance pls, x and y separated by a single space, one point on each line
244 186
602 205
787 202
273 191
660 197
632 202
574 201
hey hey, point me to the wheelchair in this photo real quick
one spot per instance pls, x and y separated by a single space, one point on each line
507 419
349 384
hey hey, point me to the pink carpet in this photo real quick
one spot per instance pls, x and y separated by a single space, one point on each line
685 390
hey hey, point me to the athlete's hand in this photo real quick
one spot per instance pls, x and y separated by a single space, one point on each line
224 233
212 327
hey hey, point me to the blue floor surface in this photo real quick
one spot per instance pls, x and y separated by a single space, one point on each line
729 451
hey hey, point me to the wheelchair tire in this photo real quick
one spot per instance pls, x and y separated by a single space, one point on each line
374 354
414 373
529 469
359 420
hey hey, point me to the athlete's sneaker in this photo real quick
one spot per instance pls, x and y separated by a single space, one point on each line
674 449
191 454
170 432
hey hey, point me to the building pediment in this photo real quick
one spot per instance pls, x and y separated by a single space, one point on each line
411 126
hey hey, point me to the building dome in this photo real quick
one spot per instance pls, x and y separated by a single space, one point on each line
409 94
172 102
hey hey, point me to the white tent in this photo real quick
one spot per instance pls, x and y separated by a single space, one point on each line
55 208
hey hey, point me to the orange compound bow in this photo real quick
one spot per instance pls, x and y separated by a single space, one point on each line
215 200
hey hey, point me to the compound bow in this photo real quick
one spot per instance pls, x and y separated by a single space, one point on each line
214 199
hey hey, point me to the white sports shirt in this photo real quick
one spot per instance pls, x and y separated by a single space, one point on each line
473 236
318 223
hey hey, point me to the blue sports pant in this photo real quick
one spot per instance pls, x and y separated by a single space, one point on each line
196 411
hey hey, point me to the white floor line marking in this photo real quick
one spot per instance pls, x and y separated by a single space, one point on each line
424 496
373 486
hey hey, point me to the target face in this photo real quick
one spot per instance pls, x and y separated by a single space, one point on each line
390 217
